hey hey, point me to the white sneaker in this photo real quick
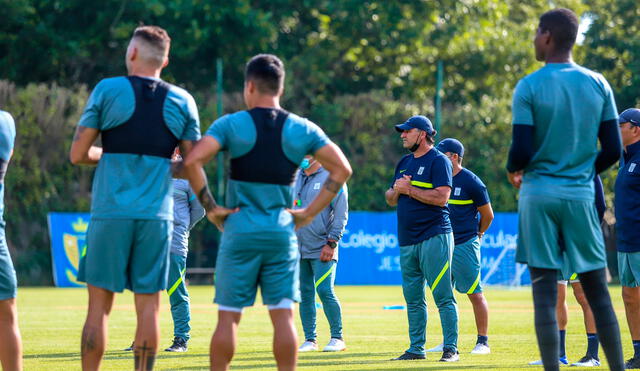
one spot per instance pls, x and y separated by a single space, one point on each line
587 361
481 349
437 349
335 345
308 346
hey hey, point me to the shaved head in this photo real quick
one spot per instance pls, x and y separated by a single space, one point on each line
152 45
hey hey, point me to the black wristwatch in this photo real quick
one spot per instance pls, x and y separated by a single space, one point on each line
332 244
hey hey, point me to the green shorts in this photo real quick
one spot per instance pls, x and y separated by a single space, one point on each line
629 268
567 274
542 219
246 262
126 253
465 267
8 282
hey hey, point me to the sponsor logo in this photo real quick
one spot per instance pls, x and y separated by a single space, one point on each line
421 170
456 192
632 167
378 242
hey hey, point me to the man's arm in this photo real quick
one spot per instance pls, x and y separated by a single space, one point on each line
437 196
83 152
520 153
196 211
340 216
610 145
334 161
391 196
486 217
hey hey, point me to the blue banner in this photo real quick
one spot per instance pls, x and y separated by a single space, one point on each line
369 252
67 232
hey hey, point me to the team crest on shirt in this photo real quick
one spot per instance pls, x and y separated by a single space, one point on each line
456 192
421 170
632 167
316 186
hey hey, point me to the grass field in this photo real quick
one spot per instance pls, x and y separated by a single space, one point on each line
51 321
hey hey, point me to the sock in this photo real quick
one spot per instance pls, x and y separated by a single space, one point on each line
592 345
595 288
562 334
483 340
544 285
636 348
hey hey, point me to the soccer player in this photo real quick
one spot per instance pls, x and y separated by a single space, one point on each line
627 209
559 114
258 246
11 348
468 199
318 243
141 119
421 189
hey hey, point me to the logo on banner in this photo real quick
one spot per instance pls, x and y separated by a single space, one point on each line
68 232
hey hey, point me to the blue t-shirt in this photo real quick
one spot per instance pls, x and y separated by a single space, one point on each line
627 201
263 218
132 186
418 221
7 139
566 104
467 195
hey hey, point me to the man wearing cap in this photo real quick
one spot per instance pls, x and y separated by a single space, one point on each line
468 199
627 208
421 189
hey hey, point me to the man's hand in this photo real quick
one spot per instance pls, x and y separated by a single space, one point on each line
326 254
403 185
300 217
219 214
515 178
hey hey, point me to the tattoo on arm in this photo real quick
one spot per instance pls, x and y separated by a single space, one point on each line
143 357
88 343
206 199
332 186
79 131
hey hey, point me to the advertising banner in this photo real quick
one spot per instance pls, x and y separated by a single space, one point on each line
67 232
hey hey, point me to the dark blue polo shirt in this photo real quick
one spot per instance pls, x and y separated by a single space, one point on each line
467 195
418 221
627 201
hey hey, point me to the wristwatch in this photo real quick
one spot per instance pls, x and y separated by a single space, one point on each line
332 244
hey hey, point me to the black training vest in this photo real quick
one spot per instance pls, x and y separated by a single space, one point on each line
146 132
266 161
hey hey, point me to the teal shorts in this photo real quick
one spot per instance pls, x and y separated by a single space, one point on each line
629 268
8 282
248 261
567 274
542 219
465 267
126 253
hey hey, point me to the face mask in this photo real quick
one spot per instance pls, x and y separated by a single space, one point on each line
415 145
305 164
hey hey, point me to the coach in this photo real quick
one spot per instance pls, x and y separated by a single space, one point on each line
421 189
627 208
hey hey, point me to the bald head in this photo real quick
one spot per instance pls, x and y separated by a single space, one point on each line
149 46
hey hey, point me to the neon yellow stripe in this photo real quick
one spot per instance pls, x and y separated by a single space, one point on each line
421 184
460 202
84 251
475 284
573 277
442 272
318 282
177 283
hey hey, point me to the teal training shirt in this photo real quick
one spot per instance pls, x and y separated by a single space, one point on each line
565 103
133 186
7 138
263 217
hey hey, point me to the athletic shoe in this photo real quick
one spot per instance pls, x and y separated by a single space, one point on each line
335 345
562 361
632 363
449 356
587 361
308 346
130 349
179 345
437 349
407 356
481 348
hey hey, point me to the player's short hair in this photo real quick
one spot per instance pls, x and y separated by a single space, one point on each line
267 73
157 43
430 139
563 25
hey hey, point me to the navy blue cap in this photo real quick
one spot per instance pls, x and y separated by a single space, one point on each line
417 122
631 115
451 145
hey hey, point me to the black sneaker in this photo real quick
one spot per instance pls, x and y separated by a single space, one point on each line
449 356
130 349
632 363
179 345
408 356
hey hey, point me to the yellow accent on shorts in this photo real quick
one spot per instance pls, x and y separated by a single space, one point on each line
475 284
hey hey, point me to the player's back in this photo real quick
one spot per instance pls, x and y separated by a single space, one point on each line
266 145
566 104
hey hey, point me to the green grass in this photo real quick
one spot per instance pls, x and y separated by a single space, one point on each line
51 321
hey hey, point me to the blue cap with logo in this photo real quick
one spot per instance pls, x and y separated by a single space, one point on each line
451 145
417 122
631 115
